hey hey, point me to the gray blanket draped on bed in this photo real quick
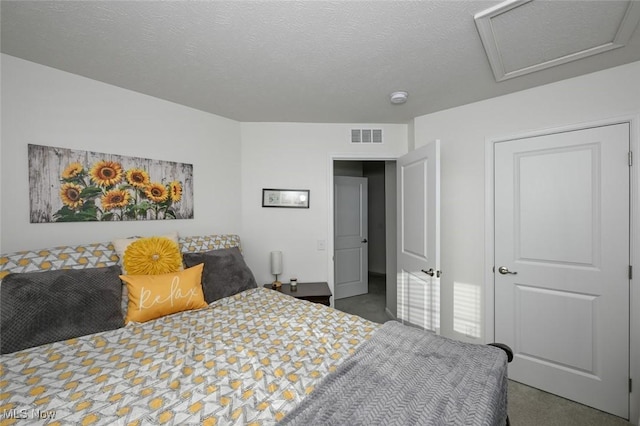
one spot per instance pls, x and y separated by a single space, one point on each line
406 376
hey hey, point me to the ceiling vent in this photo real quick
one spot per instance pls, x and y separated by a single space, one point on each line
366 135
524 36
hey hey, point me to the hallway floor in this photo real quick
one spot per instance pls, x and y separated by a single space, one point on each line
371 305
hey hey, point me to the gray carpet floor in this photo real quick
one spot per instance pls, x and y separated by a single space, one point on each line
370 306
527 406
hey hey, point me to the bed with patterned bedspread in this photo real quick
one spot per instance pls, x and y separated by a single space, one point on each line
248 359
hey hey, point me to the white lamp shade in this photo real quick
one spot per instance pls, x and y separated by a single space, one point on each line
276 262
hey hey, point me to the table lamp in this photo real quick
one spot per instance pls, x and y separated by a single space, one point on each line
276 267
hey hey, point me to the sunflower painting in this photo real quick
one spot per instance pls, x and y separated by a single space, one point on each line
78 186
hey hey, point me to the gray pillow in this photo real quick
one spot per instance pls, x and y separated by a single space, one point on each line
44 307
225 272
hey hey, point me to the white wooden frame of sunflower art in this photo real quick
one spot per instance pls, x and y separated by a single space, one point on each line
68 185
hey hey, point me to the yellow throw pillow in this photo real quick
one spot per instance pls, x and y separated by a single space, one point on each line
152 256
121 245
154 296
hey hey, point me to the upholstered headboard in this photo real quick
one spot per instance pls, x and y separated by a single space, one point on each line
96 255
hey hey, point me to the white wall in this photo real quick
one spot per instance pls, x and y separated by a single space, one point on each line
463 130
45 106
299 156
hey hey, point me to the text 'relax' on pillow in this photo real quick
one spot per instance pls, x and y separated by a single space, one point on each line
154 296
152 256
44 307
121 245
225 272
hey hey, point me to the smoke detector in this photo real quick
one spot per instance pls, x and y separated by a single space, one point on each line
399 97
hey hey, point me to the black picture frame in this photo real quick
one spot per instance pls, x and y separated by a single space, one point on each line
285 198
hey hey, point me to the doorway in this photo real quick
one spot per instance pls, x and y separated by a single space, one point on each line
378 302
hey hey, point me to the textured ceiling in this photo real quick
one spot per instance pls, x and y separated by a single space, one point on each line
297 61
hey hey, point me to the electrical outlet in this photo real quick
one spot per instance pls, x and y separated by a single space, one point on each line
322 245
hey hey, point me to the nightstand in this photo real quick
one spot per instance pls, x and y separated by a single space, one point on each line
313 292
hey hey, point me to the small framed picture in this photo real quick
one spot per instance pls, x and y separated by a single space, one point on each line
289 198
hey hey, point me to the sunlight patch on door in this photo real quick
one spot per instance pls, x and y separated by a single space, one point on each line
466 309
419 300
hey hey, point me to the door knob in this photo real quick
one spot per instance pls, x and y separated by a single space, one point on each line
430 272
504 271
364 241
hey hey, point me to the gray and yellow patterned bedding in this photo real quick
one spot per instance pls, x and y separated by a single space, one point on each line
248 359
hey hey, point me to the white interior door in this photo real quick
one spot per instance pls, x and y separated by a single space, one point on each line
562 243
418 277
351 253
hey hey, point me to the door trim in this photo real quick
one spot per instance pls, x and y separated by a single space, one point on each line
634 248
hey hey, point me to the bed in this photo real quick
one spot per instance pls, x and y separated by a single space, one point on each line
254 357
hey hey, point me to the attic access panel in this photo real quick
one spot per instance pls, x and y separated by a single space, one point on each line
524 36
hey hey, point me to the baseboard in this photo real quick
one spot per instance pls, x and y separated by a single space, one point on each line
389 314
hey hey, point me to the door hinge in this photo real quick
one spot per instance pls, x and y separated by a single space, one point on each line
630 158
630 272
630 385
